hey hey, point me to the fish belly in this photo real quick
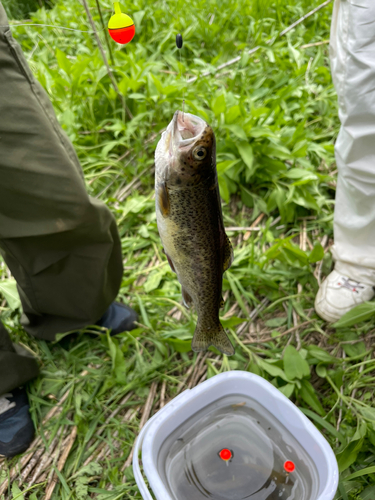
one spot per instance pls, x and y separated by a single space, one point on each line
191 239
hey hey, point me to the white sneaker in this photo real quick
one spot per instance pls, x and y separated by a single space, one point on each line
5 404
338 294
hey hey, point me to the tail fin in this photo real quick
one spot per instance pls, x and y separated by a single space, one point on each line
215 335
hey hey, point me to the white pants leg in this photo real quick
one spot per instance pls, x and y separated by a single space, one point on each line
352 52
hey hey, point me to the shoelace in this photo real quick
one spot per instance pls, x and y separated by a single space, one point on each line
350 284
6 405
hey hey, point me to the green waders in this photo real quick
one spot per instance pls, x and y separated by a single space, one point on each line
61 245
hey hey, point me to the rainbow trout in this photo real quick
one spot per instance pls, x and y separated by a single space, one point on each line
190 223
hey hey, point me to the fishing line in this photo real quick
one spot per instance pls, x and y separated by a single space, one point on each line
179 44
183 92
49 26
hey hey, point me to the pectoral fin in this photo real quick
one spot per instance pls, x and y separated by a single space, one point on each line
162 197
228 254
170 262
186 298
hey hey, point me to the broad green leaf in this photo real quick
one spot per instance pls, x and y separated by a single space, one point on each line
300 173
305 199
179 345
63 61
223 188
223 166
273 370
246 152
300 149
362 312
233 364
78 70
16 492
309 396
237 130
137 96
253 201
231 322
321 370
287 389
296 54
349 454
153 281
218 104
368 413
321 354
143 231
157 84
260 132
295 253
278 151
317 253
244 58
361 430
255 368
138 16
8 289
233 113
134 204
108 147
368 493
275 322
353 350
294 365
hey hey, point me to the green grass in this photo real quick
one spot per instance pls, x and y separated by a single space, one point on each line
21 9
275 119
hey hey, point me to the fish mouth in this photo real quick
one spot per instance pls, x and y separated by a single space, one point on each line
184 130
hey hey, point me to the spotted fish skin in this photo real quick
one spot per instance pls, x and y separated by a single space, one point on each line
190 223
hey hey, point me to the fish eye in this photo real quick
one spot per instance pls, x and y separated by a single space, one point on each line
200 153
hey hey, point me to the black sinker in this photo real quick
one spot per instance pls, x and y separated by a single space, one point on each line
179 41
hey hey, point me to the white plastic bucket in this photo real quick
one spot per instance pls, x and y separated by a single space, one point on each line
161 425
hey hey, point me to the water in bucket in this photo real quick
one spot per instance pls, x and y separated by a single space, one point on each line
235 449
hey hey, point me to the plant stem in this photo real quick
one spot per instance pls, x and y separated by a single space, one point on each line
105 60
105 33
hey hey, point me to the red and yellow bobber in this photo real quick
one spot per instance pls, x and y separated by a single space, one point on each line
121 27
